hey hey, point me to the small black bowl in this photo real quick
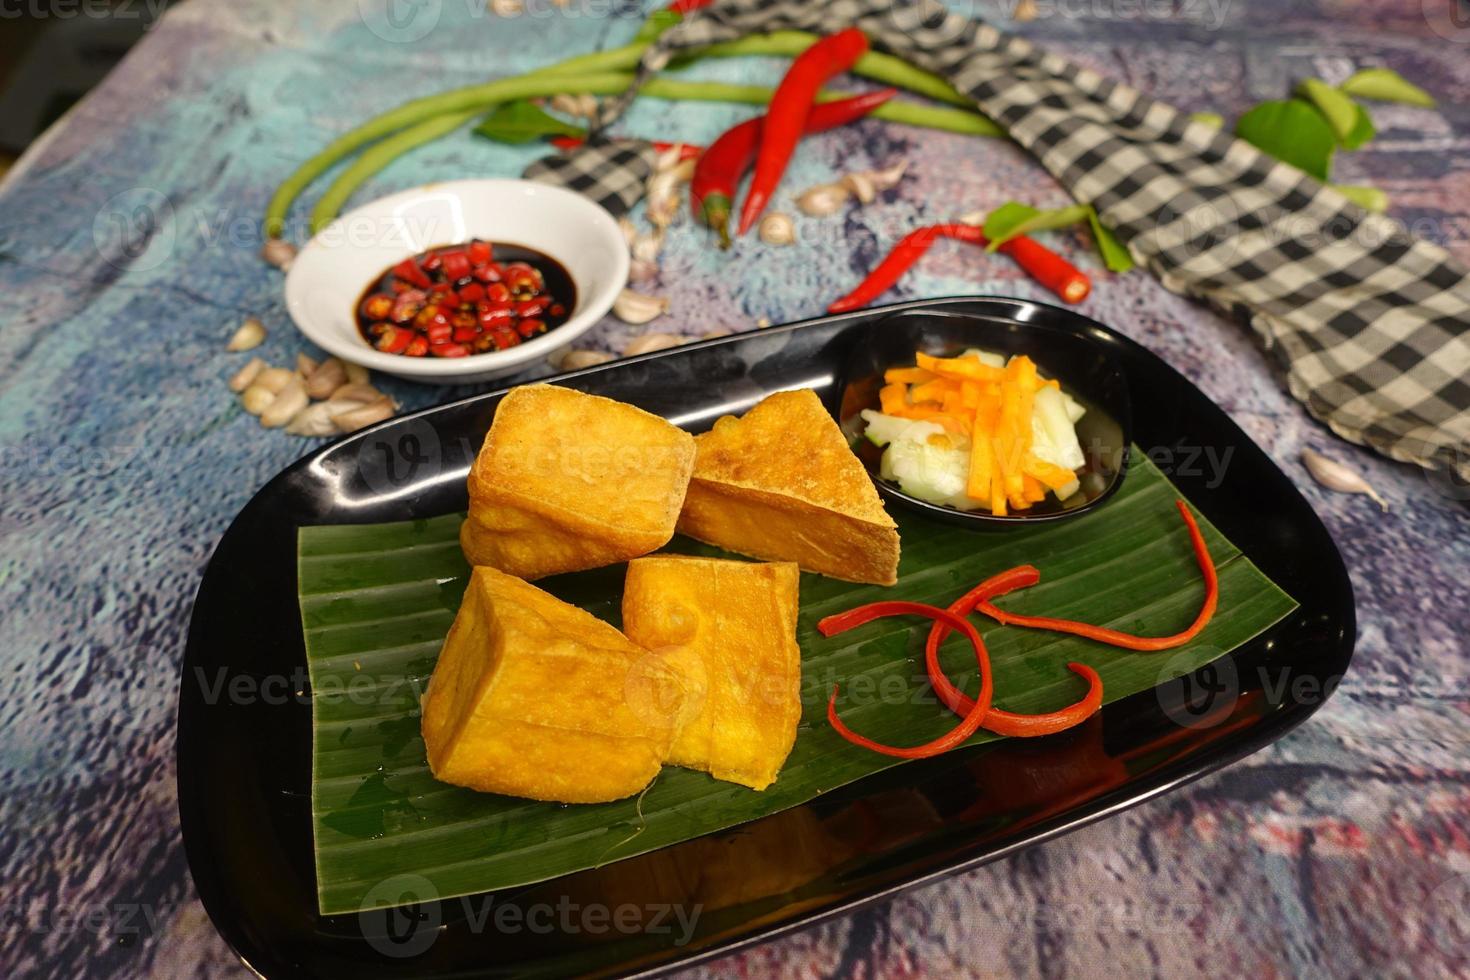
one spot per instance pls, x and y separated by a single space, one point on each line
1060 343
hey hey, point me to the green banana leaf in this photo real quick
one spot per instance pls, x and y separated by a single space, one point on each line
377 600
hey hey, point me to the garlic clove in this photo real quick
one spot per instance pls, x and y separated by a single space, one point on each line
273 379
364 415
668 158
356 373
313 420
288 401
305 365
636 308
248 336
861 186
641 271
353 394
327 378
575 360
256 399
1338 476
975 218
866 184
822 200
629 230
650 342
279 253
777 228
647 246
246 376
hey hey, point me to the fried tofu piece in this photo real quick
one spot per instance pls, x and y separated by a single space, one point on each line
534 697
567 481
729 628
781 483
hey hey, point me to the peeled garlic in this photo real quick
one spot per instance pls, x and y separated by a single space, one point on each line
327 378
507 8
629 230
641 271
313 420
777 228
248 336
279 253
975 218
583 105
866 184
1337 476
633 307
822 200
356 373
354 394
288 401
273 379
647 246
257 399
305 365
650 342
668 159
575 360
244 377
364 415
662 192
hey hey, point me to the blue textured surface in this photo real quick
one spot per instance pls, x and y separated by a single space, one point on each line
1343 849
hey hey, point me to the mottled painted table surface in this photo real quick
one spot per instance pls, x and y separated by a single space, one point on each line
1344 849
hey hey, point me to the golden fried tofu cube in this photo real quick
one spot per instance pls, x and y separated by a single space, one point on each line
567 481
729 627
534 697
781 483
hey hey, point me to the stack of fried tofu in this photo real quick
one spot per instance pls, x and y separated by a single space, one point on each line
534 697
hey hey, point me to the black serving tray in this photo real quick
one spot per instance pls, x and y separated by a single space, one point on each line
244 736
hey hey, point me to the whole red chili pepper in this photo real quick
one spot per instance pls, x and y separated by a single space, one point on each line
721 167
1041 263
880 610
1126 640
790 106
996 720
686 6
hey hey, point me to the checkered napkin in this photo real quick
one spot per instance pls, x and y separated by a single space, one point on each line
1372 326
612 172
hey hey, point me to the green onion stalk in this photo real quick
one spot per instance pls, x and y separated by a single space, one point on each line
423 120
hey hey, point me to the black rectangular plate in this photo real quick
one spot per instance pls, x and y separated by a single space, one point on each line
244 737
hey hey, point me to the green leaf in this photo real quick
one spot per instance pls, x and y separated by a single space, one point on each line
1114 255
377 600
1365 197
1386 85
1362 131
1293 132
1013 219
1212 119
1340 111
521 122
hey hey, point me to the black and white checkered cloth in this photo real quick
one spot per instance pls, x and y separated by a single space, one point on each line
1373 326
611 172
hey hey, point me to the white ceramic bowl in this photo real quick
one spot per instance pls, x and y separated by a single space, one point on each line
337 265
